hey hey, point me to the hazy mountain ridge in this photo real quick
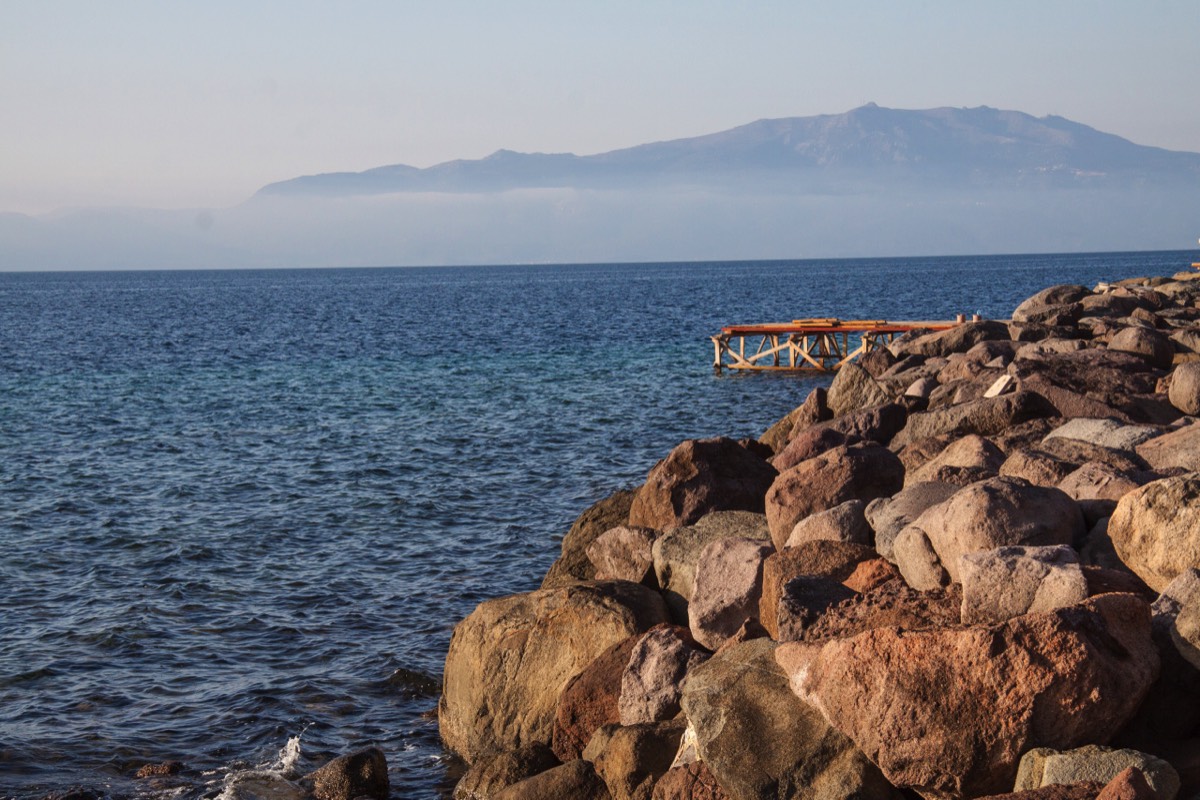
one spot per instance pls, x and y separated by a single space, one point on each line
870 145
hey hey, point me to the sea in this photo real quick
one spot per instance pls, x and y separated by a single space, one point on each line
242 511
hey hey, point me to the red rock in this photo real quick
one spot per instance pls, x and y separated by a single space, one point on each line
1179 448
1075 791
624 553
870 575
949 712
689 782
836 560
811 443
1130 784
892 605
858 472
592 699
1146 343
700 476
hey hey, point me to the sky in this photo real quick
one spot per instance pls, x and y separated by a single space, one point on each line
176 105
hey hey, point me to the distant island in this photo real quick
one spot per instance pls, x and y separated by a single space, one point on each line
869 146
870 182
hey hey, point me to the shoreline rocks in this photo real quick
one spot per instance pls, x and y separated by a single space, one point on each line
932 579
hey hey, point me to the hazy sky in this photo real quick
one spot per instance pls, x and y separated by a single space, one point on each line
172 104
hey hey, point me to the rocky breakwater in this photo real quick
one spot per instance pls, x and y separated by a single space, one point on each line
968 568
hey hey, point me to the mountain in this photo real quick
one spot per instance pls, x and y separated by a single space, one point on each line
871 182
867 147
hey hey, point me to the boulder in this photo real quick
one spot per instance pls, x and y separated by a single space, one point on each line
511 658
676 552
1098 481
1036 308
811 443
814 409
573 565
823 559
630 759
1010 581
1037 466
625 553
1156 529
1109 379
692 781
1178 448
1094 764
853 388
891 605
971 451
360 774
575 780
760 741
651 681
958 339
591 700
1129 784
997 512
1185 388
1104 433
858 472
727 589
984 417
494 771
1145 343
842 523
948 712
889 515
804 599
697 477
872 574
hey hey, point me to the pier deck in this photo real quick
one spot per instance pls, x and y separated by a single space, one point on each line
809 345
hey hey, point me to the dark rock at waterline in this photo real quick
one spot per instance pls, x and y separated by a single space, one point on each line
698 477
574 565
360 774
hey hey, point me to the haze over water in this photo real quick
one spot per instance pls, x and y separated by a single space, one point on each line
244 507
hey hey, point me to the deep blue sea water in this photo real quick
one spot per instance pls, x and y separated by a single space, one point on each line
241 511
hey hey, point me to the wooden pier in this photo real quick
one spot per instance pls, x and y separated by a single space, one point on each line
808 345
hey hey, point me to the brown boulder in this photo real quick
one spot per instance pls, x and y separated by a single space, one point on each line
892 605
630 759
575 780
697 477
854 388
1185 388
845 522
861 472
1035 308
361 774
984 417
761 741
1156 529
1145 343
692 781
573 565
1178 448
494 771
511 658
971 451
811 443
823 559
591 700
890 515
958 339
949 712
